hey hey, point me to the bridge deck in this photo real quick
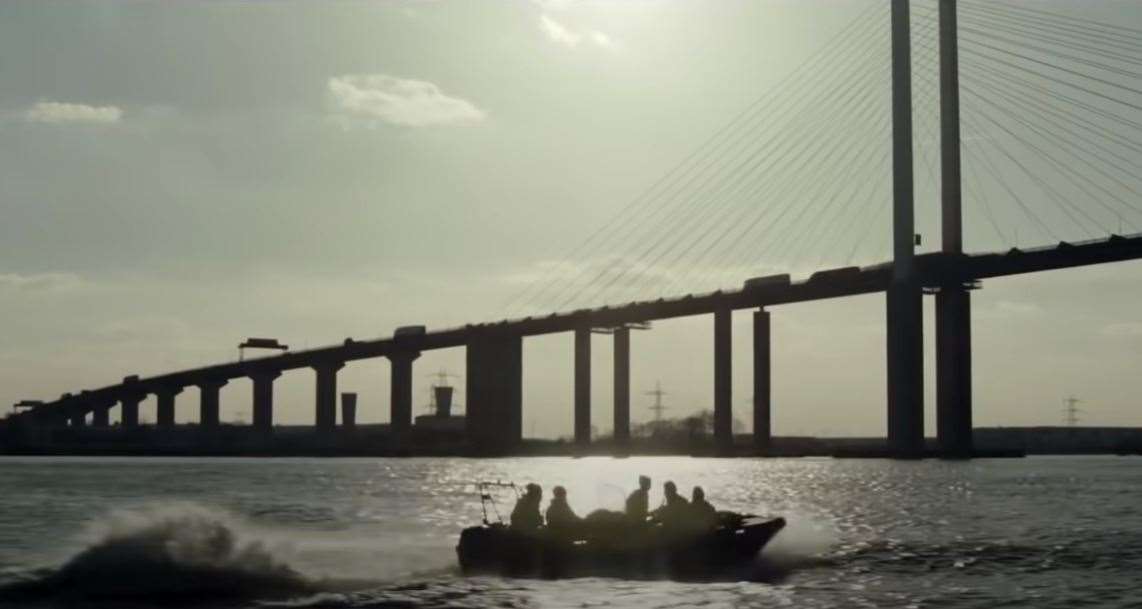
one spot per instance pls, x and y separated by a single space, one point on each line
933 270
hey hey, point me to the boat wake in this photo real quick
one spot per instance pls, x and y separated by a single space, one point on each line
168 554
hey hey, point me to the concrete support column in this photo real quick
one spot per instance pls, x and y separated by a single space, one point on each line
622 385
494 392
129 410
101 416
325 402
905 313
263 407
583 386
953 372
905 348
723 380
164 416
400 414
762 390
78 420
208 402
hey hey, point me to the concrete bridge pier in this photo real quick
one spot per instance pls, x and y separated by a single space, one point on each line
953 372
494 392
400 414
583 386
622 386
101 415
905 338
208 402
164 415
762 392
78 420
129 409
723 381
263 408
325 417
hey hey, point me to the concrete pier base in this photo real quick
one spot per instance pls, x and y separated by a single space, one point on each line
325 400
622 386
723 381
494 392
954 372
905 348
583 386
263 407
400 414
208 403
164 413
762 392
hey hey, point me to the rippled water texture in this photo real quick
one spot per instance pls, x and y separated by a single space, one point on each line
1040 532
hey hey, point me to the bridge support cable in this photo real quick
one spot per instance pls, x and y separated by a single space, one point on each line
981 159
711 208
1067 147
840 161
665 197
1071 27
800 184
664 229
1109 152
1068 208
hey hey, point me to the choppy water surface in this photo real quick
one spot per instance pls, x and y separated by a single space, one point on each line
1041 532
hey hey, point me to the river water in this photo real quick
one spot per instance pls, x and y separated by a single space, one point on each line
354 533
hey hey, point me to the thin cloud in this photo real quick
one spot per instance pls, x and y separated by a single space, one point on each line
398 101
38 282
52 112
557 32
561 34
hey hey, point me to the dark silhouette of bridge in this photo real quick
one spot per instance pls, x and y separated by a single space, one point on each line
493 392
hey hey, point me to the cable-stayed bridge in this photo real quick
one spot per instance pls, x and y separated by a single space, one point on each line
1019 118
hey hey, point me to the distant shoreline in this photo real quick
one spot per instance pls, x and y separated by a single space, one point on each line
991 442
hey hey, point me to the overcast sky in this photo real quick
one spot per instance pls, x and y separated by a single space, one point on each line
175 177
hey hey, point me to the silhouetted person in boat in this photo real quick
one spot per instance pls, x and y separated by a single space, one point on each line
560 517
638 503
675 510
703 515
525 515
